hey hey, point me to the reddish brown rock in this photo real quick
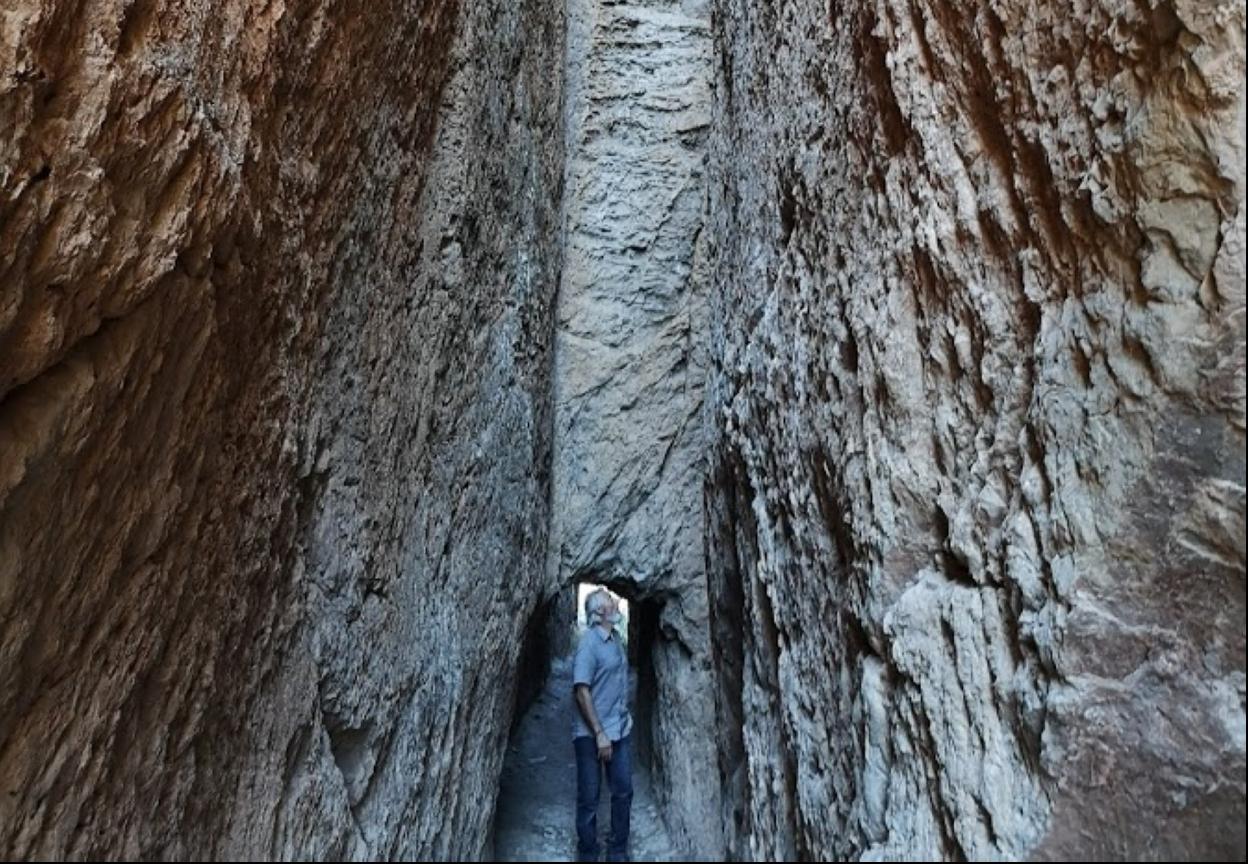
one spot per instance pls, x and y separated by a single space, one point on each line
275 408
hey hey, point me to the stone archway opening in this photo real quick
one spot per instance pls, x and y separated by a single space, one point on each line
534 812
640 629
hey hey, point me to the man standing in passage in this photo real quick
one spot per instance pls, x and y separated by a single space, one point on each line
601 727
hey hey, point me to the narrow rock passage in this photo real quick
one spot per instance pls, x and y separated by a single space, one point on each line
537 794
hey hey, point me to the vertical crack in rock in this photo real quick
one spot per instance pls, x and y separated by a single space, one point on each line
629 358
889 354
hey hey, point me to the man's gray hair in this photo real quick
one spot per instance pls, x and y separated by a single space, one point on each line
594 604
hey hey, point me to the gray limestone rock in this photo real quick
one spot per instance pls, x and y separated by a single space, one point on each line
629 364
889 356
977 493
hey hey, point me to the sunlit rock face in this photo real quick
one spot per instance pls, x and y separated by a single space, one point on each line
977 492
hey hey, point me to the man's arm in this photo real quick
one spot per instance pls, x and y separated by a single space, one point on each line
585 703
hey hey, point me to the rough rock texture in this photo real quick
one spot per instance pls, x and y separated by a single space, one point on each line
977 501
276 290
951 292
628 457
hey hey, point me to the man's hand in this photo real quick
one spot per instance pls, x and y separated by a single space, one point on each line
604 747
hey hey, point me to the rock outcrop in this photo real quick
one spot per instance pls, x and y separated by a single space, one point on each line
977 500
276 291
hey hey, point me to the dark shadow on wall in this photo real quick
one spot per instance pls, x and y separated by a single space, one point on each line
730 522
546 637
674 724
643 627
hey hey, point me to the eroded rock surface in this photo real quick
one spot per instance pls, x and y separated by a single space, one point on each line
889 356
276 284
978 493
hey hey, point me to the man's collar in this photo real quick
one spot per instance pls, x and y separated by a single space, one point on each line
605 634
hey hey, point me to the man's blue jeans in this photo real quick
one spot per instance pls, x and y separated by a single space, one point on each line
588 782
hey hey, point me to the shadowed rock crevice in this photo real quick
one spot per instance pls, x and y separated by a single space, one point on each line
629 365
889 356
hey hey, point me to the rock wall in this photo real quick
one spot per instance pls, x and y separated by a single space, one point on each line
951 293
977 493
276 298
628 455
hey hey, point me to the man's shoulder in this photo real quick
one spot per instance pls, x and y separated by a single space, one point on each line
584 661
583 642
